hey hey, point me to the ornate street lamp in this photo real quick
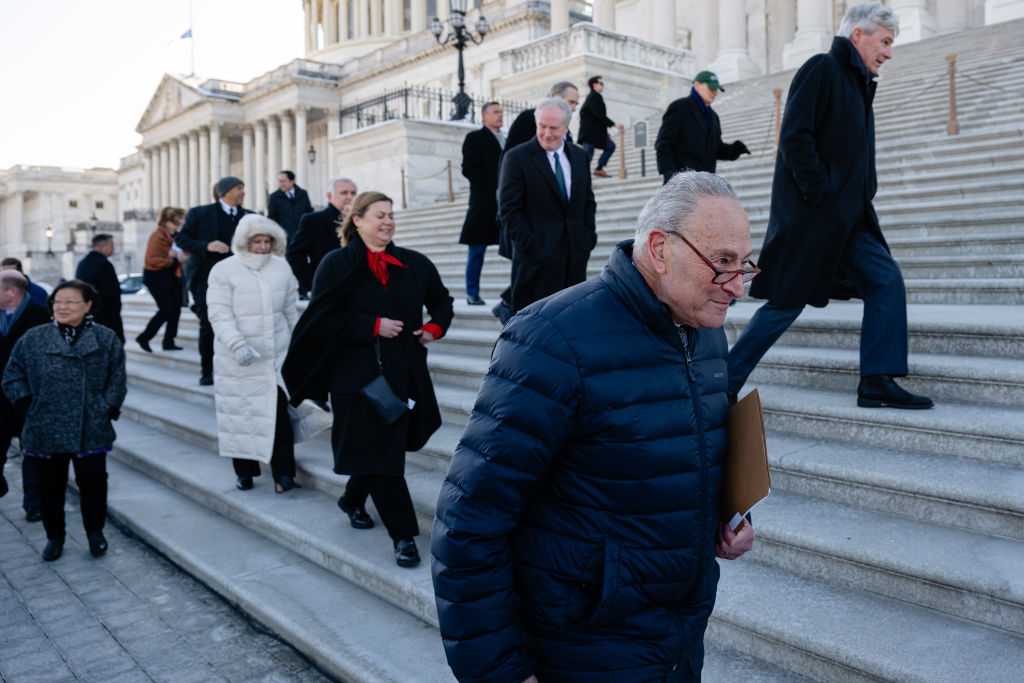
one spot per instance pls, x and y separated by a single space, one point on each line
49 240
311 154
461 36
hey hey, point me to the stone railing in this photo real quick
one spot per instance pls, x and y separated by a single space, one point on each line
297 68
587 39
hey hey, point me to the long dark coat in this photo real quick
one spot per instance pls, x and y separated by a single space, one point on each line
205 224
481 157
575 531
98 271
31 316
287 212
824 182
690 139
552 237
316 237
594 121
332 352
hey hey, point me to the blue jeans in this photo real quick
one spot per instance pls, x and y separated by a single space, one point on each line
606 154
474 266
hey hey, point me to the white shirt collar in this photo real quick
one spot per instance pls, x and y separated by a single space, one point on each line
228 209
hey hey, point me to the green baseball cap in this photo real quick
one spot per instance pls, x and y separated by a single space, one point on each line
709 79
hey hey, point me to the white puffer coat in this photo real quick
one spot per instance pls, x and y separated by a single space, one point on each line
252 299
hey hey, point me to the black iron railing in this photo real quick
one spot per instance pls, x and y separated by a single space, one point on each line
413 102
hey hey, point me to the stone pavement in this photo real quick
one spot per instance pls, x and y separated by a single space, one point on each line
129 617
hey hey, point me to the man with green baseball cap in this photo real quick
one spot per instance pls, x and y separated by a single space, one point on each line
690 138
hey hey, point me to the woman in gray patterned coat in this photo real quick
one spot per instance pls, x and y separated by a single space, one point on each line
68 379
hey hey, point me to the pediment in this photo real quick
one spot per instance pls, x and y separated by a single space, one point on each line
172 97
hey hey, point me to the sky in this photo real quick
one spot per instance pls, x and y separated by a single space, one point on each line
76 75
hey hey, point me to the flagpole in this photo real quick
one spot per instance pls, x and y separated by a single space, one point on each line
191 39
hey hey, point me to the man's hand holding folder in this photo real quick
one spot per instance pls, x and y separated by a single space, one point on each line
746 480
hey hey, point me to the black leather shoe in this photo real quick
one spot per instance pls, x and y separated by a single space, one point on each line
53 550
97 544
357 516
285 483
3 486
173 347
206 381
475 301
244 484
32 516
406 554
881 391
144 344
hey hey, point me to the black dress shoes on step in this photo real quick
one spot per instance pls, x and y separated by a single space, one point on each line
475 301
357 516
206 381
881 391
144 344
33 516
53 550
97 544
406 554
173 347
3 486
244 484
285 483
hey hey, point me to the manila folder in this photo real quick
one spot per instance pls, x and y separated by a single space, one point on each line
746 480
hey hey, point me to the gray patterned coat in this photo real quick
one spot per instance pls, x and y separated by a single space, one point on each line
75 390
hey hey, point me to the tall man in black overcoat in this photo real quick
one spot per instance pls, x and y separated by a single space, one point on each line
96 269
288 203
547 206
207 236
317 235
690 138
481 157
823 238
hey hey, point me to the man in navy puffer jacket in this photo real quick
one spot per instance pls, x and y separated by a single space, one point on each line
576 532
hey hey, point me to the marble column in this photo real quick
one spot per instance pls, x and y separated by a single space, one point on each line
664 22
443 9
147 180
604 14
247 166
287 142
393 12
343 27
376 17
225 155
315 24
418 16
814 32
308 9
273 152
559 15
300 145
705 32
330 23
15 232
175 174
165 176
733 62
215 157
183 166
259 187
193 168
204 165
916 22
951 15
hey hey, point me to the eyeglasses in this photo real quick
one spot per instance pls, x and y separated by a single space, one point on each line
721 277
64 302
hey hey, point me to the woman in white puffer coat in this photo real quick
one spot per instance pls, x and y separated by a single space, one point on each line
253 307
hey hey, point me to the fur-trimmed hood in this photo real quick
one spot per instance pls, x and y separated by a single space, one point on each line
254 224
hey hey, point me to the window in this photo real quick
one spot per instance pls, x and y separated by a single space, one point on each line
73 203
99 205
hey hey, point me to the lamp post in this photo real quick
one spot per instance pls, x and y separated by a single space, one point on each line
49 240
311 154
459 34
93 222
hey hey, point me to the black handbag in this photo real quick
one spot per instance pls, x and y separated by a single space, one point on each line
380 395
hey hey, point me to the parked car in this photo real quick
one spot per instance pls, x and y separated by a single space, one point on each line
131 284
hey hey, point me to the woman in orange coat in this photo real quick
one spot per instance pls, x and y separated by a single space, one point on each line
162 277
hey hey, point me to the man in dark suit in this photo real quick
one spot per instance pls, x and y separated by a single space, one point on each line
98 271
18 314
594 125
318 234
288 204
481 157
690 138
207 236
547 206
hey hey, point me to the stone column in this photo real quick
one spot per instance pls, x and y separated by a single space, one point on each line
15 233
183 166
204 165
705 32
734 62
273 151
215 157
376 17
343 20
259 201
393 17
916 22
175 174
604 14
664 15
247 166
1003 10
951 15
559 15
287 142
225 155
300 146
308 10
813 32
193 168
443 9
165 175
330 23
418 16
147 179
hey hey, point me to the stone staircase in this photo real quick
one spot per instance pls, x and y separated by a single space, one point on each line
892 547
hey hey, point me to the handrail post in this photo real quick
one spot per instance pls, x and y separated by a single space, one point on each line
622 152
451 188
404 203
777 93
953 127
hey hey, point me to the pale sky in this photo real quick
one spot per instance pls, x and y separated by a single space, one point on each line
76 75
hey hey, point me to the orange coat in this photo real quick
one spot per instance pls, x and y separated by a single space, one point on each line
158 250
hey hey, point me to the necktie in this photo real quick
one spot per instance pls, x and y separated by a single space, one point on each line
560 177
291 195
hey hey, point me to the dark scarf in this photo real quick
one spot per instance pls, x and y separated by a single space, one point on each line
702 106
72 333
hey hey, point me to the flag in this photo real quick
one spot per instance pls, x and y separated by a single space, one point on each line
186 34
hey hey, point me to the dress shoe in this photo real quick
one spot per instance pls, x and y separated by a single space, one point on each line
173 347
357 516
3 486
502 312
881 391
406 554
32 516
601 173
206 381
53 550
475 301
285 483
144 344
244 484
97 543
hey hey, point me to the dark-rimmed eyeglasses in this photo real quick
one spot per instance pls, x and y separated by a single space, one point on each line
721 277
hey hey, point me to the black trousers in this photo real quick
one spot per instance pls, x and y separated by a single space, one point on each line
282 460
165 287
205 331
29 468
91 477
391 498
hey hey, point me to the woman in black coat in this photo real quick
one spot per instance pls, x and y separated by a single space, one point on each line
367 302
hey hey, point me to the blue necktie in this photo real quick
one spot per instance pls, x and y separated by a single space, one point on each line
560 177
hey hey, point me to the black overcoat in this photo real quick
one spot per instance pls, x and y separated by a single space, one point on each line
691 140
824 182
10 419
594 121
552 238
98 271
481 156
316 237
205 224
333 352
287 212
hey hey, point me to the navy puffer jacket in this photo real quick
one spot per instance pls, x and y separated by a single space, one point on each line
575 532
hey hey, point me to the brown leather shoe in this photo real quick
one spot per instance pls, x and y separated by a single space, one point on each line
601 173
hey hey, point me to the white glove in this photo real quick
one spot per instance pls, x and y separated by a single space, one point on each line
246 355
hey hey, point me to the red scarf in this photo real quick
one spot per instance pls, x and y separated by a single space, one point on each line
379 262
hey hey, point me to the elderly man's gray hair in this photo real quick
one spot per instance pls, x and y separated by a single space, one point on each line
334 183
559 89
672 206
554 103
868 17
